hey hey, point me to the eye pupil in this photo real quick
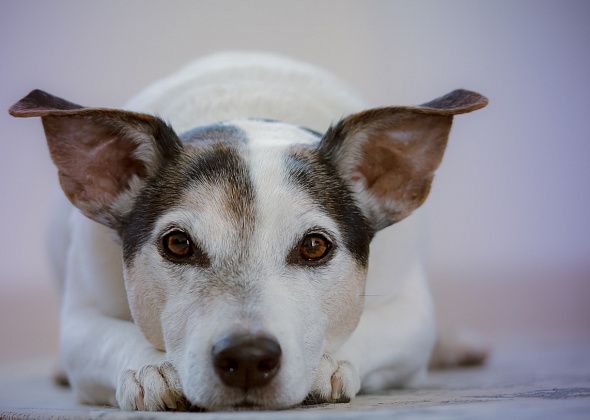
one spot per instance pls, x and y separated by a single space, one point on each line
177 244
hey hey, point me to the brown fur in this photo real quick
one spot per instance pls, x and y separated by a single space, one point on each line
95 149
394 151
95 163
402 170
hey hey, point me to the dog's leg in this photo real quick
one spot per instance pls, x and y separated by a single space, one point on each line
107 358
110 362
393 341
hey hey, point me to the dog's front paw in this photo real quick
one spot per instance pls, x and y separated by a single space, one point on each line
337 381
151 388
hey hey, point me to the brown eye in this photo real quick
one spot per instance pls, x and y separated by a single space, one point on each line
314 247
177 244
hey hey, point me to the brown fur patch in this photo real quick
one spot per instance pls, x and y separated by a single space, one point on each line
318 177
96 149
95 163
393 152
212 164
401 169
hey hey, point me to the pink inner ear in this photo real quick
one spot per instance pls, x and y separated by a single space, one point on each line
96 162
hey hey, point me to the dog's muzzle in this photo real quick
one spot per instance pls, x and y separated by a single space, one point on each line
246 361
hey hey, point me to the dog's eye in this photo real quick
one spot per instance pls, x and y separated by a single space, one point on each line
177 247
314 247
177 244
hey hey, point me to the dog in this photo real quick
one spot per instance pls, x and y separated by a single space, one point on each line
220 259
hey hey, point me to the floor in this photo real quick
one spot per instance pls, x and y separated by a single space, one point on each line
549 381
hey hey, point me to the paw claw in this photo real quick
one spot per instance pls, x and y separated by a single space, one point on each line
336 382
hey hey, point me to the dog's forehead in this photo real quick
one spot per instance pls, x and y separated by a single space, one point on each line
249 175
269 134
252 132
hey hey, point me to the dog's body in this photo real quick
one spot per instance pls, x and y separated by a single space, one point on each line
140 333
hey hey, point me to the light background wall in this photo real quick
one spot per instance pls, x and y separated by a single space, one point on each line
512 194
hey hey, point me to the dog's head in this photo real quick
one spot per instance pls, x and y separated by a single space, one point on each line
246 243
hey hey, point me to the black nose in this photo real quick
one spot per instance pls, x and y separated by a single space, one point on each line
246 360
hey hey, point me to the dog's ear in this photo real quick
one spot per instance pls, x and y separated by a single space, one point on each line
389 155
103 155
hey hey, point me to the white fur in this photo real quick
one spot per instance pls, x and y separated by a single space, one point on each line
105 354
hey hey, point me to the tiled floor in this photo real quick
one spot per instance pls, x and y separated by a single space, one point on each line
550 382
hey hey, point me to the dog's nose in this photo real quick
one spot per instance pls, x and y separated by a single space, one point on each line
246 360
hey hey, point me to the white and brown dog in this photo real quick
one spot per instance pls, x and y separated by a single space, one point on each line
220 260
